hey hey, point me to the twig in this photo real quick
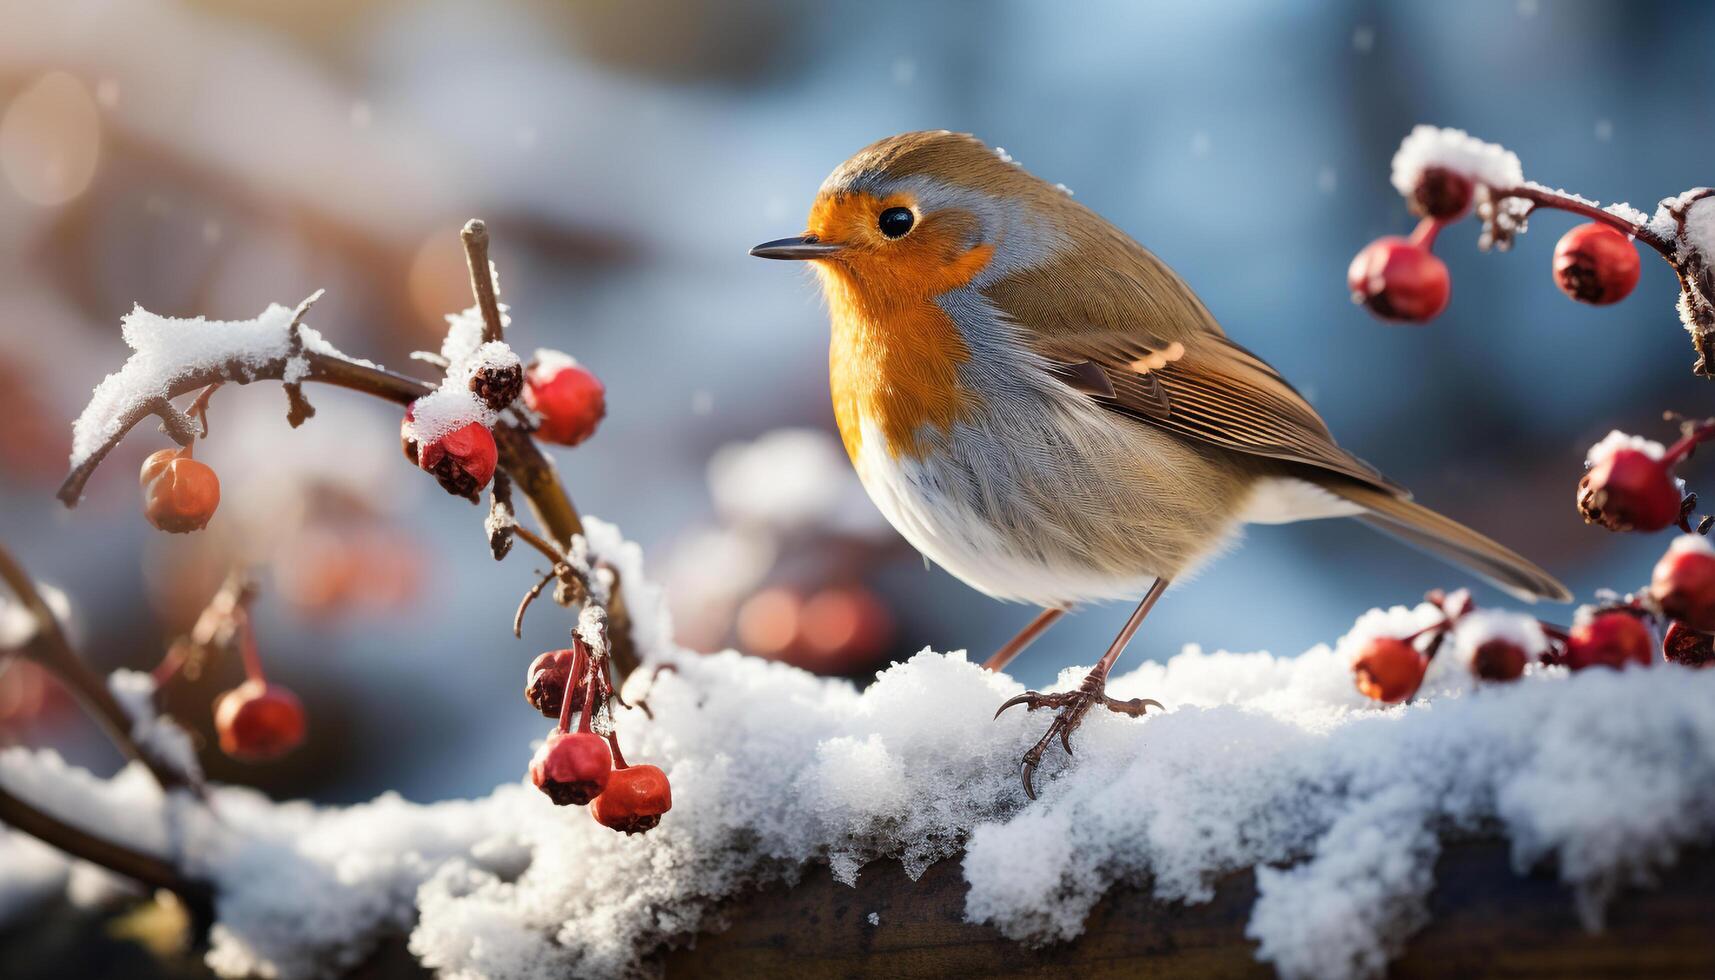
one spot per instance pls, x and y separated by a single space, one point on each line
79 843
529 597
50 648
475 238
1543 197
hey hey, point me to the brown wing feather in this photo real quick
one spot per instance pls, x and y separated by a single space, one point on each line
1129 317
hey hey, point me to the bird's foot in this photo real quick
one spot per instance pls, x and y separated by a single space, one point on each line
1070 708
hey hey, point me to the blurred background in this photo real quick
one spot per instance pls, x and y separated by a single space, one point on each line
213 156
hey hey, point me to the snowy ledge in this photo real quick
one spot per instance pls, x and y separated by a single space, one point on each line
1262 764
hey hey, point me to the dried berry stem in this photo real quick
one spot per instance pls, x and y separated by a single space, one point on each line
50 648
199 408
1693 437
618 756
1424 234
529 597
475 238
247 648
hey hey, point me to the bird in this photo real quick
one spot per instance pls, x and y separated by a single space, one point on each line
1045 409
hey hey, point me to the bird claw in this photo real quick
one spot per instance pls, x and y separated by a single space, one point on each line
1072 707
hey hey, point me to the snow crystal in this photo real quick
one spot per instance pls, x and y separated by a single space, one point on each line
1273 765
875 918
790 481
1617 440
168 349
464 333
1626 212
453 405
1455 150
161 737
1700 226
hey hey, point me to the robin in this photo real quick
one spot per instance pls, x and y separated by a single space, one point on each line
1047 411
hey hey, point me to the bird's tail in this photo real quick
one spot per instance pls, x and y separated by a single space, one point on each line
1451 541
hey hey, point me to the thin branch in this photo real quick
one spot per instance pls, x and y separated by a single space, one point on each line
1543 197
475 238
52 650
529 597
79 843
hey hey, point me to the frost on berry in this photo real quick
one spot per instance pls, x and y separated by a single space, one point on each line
258 721
1688 647
1629 486
1388 669
549 674
1595 264
1683 582
572 768
569 399
1400 280
1610 639
634 800
180 494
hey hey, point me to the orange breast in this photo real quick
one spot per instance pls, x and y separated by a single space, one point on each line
895 356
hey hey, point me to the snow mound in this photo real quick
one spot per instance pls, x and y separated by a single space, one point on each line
1267 763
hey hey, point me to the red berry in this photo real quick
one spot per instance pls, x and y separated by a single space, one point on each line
1684 583
1441 194
180 494
634 800
462 460
1687 647
1399 280
1593 263
570 400
1498 660
1611 639
1629 490
1388 669
572 767
258 721
545 684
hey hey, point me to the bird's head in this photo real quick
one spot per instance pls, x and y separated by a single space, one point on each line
916 215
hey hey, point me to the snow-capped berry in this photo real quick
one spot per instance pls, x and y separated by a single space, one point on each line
1628 489
1400 280
498 385
572 768
462 460
180 494
1593 263
1388 669
1684 582
1498 660
258 721
570 400
545 683
1610 639
634 800
1440 193
1687 647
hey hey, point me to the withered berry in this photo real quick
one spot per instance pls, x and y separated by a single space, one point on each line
549 674
572 768
180 494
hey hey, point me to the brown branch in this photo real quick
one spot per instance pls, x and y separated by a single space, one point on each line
1543 197
475 238
529 597
53 651
137 865
519 455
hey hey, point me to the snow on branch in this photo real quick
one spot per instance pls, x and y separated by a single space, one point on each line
1262 762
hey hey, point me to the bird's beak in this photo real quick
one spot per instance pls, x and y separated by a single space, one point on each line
803 247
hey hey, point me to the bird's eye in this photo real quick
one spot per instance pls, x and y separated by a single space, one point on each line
895 222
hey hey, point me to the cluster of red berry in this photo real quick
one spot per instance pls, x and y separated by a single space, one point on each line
1401 279
568 402
1616 634
579 768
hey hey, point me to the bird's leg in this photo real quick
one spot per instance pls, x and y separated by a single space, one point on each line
1025 638
1072 706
